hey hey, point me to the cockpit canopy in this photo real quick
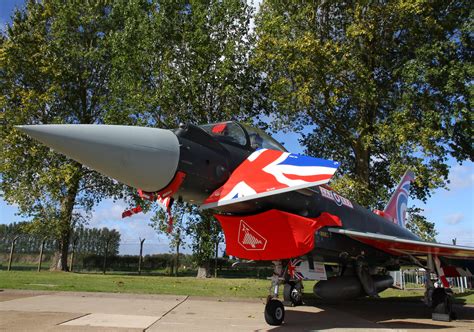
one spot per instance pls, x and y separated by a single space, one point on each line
235 133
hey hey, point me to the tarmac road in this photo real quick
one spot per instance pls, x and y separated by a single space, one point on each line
70 311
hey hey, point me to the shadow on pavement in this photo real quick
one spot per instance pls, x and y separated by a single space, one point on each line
372 314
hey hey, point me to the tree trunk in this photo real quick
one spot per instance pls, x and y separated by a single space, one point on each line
41 255
60 261
12 249
362 162
203 271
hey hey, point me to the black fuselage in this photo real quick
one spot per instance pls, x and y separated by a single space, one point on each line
208 164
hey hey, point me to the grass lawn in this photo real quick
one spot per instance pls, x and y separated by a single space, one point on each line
119 283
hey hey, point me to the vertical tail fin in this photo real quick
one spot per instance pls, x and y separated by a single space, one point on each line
397 205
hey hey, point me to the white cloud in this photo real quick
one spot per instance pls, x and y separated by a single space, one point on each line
454 219
461 177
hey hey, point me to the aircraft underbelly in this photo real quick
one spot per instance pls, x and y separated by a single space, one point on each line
272 235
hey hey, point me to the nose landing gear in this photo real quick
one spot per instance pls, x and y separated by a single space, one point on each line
292 295
274 312
274 309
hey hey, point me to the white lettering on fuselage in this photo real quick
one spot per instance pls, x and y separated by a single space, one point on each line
338 199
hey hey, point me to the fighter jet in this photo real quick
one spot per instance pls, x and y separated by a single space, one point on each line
273 206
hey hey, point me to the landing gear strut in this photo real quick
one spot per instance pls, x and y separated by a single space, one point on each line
274 309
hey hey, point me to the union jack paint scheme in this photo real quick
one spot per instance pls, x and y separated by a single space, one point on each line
270 172
292 269
273 206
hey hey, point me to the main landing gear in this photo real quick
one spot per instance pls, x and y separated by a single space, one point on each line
292 295
440 299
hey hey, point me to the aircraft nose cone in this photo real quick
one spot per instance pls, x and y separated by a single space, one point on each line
144 158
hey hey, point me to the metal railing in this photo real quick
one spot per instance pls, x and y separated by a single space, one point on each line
415 279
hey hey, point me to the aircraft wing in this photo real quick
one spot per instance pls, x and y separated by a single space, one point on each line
398 246
270 172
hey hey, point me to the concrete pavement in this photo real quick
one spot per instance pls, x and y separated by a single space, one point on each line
77 311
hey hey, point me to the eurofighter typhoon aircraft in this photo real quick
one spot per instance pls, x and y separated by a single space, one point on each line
272 205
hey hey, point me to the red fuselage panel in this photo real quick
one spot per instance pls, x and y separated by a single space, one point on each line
272 235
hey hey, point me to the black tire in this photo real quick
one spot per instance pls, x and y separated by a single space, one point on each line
438 297
292 293
443 302
274 313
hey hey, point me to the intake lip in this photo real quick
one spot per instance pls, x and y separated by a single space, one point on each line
141 157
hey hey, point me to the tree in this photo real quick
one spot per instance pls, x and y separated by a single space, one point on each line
204 231
187 62
199 227
55 67
181 213
142 62
383 85
92 240
420 226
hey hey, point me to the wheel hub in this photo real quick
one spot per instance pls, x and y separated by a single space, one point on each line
278 313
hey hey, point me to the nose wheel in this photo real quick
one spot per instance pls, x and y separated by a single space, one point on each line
274 312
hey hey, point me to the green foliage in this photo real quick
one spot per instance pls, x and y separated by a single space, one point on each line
25 243
142 62
93 240
385 85
85 240
55 67
181 213
150 263
185 61
420 226
200 228
205 232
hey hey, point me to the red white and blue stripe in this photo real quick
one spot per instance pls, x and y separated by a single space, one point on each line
270 172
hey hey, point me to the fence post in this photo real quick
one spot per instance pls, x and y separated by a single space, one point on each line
74 243
105 254
12 248
402 279
41 254
178 243
140 258
215 258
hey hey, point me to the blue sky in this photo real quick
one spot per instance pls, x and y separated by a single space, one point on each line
7 8
451 210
